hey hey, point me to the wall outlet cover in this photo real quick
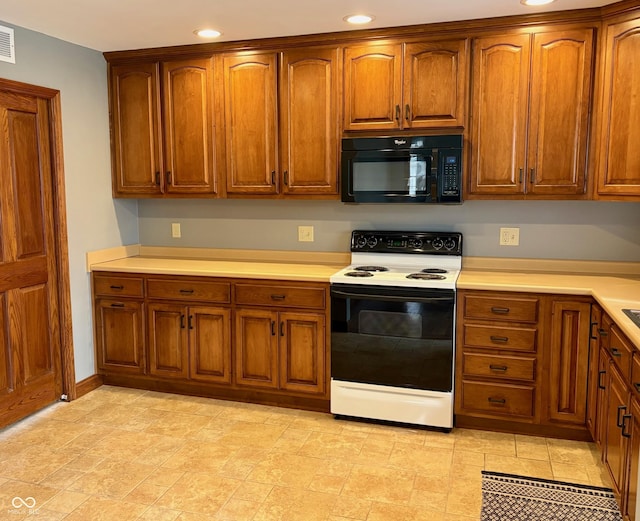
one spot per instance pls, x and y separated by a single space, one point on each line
176 233
509 236
305 233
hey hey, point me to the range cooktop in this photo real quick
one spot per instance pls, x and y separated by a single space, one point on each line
634 315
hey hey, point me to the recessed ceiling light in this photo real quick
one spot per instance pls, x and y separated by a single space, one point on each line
359 19
536 2
207 33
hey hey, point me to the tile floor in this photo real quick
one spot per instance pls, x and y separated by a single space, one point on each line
121 454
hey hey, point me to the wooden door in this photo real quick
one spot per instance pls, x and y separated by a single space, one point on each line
302 350
256 348
594 368
309 121
373 87
435 77
136 142
569 361
562 68
119 338
616 444
500 86
209 344
189 130
631 482
619 161
251 123
168 340
30 364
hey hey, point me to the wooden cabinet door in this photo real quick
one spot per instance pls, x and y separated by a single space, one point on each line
594 368
619 160
616 444
630 498
569 361
30 375
302 352
435 76
189 131
250 123
209 344
309 122
373 87
119 336
168 340
499 114
136 143
256 348
561 75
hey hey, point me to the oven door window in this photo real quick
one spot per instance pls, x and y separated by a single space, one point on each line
380 175
395 342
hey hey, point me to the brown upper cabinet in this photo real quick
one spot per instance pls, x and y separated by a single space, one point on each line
619 154
282 130
530 114
405 85
162 128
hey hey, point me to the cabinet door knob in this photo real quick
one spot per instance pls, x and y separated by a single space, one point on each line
181 321
273 177
407 112
273 328
621 408
520 175
532 175
190 322
285 177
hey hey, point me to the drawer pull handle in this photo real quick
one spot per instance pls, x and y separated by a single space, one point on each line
499 401
619 421
501 339
116 287
615 352
278 297
603 332
500 311
624 426
273 328
500 368
600 375
186 291
117 305
637 386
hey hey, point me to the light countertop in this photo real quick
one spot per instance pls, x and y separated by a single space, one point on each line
612 292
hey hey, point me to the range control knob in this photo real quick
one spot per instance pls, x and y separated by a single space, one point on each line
361 241
437 243
372 241
417 243
450 244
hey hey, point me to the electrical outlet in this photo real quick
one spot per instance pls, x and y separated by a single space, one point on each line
305 233
509 236
175 230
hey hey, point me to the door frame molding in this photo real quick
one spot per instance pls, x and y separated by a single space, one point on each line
67 365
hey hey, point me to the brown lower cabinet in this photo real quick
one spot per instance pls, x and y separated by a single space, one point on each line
251 340
522 362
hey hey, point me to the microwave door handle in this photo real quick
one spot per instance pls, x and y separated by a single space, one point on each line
366 296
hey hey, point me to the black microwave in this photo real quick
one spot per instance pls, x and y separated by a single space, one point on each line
408 169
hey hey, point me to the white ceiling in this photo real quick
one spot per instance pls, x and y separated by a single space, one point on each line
109 25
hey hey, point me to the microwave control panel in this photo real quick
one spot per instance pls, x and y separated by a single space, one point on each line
450 175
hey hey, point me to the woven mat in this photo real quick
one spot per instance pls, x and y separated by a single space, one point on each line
506 497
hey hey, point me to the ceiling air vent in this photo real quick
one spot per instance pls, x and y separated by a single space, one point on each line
7 46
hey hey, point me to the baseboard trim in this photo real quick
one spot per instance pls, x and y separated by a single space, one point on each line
88 384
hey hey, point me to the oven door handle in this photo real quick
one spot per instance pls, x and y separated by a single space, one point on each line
388 298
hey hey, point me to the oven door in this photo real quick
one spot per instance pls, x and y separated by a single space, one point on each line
398 337
375 176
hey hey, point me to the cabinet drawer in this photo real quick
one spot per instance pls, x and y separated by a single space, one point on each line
507 367
189 290
285 296
635 374
515 309
118 286
500 399
621 352
499 337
